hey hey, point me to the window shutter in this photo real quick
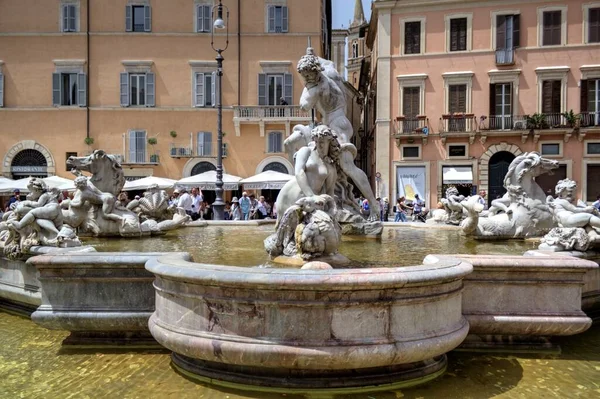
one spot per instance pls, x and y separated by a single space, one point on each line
594 25
412 37
262 89
557 26
288 88
271 11
82 90
462 98
56 89
270 142
132 146
65 18
547 96
141 146
583 105
150 90
284 19
72 9
516 31
124 83
207 141
453 35
199 90
556 91
128 18
213 89
147 19
462 38
500 32
492 100
1 90
207 19
199 18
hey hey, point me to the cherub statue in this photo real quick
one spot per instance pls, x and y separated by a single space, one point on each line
566 213
452 205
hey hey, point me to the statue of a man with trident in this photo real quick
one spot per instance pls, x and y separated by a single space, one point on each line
323 92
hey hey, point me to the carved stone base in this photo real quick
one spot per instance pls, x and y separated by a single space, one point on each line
333 260
371 229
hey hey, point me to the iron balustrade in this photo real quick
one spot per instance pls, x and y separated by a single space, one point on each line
589 119
505 56
411 125
270 112
458 123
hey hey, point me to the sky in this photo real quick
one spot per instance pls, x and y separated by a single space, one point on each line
343 12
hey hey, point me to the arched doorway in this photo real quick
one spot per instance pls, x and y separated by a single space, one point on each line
276 167
27 163
202 167
497 169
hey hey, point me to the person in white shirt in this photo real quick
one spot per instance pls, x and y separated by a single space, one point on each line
261 208
185 201
196 204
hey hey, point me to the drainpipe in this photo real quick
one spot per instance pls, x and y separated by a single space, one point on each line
239 35
87 108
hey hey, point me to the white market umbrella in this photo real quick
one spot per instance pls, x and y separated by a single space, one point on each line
7 188
142 184
267 180
207 181
59 182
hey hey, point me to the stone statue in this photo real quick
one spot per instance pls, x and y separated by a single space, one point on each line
155 212
453 212
300 137
308 230
523 211
107 173
323 92
36 221
578 226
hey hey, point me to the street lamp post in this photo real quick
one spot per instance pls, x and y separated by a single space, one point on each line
218 24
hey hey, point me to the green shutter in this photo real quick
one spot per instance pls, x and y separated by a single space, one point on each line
82 90
150 90
128 18
147 19
56 89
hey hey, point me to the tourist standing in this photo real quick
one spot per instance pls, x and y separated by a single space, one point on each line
15 199
196 204
245 205
401 209
236 211
366 208
385 209
418 208
253 205
174 200
186 201
482 200
261 208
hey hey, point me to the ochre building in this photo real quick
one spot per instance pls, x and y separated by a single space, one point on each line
136 78
463 87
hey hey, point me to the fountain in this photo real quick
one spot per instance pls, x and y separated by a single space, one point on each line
360 316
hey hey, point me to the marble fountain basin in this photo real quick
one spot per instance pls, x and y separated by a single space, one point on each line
308 329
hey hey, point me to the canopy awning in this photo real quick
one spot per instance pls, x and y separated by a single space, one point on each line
458 175
142 184
60 183
267 180
207 181
9 186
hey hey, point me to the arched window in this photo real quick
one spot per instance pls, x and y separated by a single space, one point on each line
355 49
29 163
202 167
276 167
275 143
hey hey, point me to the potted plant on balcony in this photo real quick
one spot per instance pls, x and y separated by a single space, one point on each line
88 140
173 134
154 157
572 119
536 121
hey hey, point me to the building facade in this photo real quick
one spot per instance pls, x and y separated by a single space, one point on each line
463 87
137 78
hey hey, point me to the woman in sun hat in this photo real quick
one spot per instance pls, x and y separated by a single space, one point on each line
236 211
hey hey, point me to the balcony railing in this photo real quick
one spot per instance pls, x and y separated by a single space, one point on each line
456 123
505 56
141 156
589 119
507 122
262 112
411 125
208 150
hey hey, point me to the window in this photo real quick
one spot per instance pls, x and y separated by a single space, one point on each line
276 167
204 141
411 107
412 37
203 18
1 90
592 186
551 96
593 28
457 150
137 146
552 24
275 143
551 149
137 89
457 104
67 156
507 32
278 19
593 148
138 18
590 102
69 89
411 152
458 34
204 89
272 87
501 110
69 17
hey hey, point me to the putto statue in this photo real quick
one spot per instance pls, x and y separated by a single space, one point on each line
36 221
578 226
308 231
324 92
523 211
453 212
155 213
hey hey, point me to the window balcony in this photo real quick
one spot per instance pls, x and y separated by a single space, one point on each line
185 150
505 57
141 157
411 127
589 119
262 114
458 123
507 122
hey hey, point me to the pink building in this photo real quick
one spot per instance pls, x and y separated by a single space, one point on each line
465 86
